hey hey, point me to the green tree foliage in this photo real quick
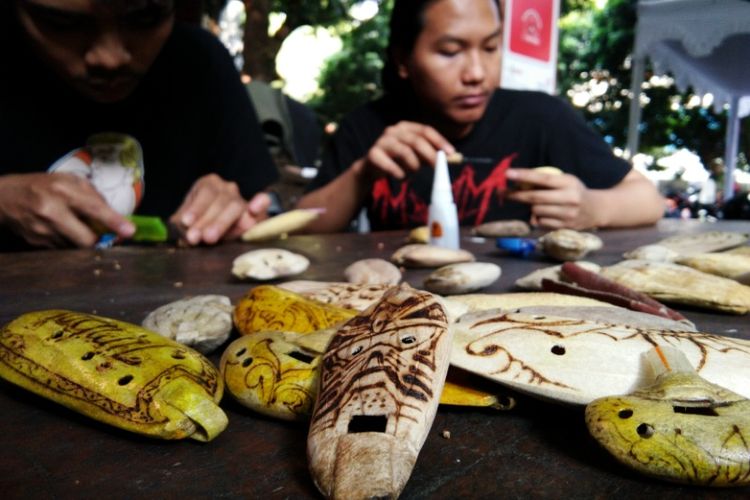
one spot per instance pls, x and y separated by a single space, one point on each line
352 76
596 49
261 48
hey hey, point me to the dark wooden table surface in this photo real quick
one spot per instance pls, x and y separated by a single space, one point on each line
536 450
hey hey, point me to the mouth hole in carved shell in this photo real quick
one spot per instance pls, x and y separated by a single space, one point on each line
409 339
247 362
125 380
87 356
692 410
625 414
301 356
645 430
558 350
367 423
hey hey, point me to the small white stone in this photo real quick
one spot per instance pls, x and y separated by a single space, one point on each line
567 244
203 322
429 256
464 277
268 264
372 271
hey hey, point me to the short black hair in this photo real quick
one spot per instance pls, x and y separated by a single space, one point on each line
407 22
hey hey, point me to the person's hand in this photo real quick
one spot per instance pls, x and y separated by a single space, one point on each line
402 149
57 210
215 210
557 200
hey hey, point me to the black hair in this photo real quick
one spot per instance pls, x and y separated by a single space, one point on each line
406 24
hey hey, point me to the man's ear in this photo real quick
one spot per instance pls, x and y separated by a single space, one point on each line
400 62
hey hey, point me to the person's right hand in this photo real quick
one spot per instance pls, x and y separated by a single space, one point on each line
402 149
57 210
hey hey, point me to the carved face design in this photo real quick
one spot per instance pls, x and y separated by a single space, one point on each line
379 371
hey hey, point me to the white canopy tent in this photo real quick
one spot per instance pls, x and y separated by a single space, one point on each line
704 44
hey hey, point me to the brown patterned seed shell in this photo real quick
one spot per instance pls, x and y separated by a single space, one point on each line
567 244
499 228
670 282
380 383
372 271
115 372
269 263
712 241
729 265
460 278
203 322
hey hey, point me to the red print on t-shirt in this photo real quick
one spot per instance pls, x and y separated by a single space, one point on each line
406 208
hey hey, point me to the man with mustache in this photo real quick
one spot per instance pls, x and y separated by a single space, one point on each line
81 69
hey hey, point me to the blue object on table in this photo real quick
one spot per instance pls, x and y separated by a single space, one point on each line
107 240
522 247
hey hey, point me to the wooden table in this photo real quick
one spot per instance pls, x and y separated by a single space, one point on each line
535 450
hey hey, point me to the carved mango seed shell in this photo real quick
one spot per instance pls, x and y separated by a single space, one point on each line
276 374
682 428
114 372
271 374
270 308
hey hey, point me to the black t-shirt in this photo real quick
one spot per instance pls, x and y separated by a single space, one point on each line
190 114
519 129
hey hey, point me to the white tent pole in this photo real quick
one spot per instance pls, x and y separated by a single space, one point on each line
634 119
731 146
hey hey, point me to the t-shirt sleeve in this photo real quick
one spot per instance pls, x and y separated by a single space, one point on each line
239 152
575 147
346 146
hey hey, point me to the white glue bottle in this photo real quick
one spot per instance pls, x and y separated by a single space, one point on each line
443 217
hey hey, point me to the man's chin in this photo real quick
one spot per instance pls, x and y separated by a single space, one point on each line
107 94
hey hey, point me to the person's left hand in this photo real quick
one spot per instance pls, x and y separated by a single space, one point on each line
557 200
215 210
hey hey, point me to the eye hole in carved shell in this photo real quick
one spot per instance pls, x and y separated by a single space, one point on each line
357 350
87 356
240 352
58 334
645 430
247 362
178 355
409 339
558 350
125 380
623 414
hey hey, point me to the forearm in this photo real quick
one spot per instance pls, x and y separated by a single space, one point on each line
341 198
633 202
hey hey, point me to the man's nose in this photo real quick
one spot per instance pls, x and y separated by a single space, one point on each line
108 51
474 70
